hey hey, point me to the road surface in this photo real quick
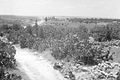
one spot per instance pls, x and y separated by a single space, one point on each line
36 67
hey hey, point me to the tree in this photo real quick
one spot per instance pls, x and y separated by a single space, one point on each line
29 30
41 33
46 19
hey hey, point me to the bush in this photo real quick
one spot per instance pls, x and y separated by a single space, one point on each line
7 61
106 33
7 76
80 51
7 53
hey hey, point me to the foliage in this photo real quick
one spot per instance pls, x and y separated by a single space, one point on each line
8 76
66 42
80 51
7 61
106 33
7 53
40 37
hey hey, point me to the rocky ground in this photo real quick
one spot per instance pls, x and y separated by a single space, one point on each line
109 70
103 71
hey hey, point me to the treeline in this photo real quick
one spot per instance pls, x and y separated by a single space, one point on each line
93 20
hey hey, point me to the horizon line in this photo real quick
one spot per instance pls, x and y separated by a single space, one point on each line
58 16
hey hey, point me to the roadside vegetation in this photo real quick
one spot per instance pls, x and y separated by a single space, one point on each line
71 46
7 62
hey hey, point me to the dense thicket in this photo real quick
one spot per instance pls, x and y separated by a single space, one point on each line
106 33
65 42
68 43
81 52
7 61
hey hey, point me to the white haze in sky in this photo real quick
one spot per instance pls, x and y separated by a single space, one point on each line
82 8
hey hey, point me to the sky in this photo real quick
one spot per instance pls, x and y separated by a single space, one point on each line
82 8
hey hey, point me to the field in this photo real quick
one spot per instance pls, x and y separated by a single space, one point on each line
70 47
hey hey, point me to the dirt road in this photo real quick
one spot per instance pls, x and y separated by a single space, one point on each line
37 68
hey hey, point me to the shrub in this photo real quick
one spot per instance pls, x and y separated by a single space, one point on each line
7 53
80 51
106 33
7 61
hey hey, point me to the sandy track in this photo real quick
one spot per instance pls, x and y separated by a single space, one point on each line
37 68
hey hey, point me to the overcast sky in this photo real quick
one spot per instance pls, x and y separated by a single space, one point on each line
83 8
